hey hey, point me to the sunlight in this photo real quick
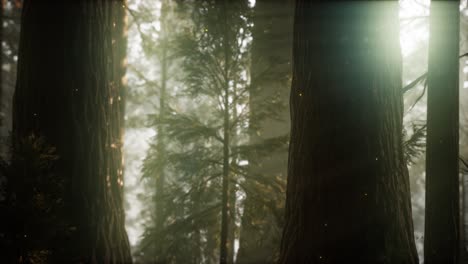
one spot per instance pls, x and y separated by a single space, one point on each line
413 33
136 139
414 39
217 131
414 26
136 145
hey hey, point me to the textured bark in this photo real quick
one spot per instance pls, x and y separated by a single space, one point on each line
70 91
270 71
442 234
348 194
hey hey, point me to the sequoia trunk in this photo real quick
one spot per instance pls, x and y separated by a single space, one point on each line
348 193
78 109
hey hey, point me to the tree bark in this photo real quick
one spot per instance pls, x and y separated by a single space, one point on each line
348 193
70 91
442 234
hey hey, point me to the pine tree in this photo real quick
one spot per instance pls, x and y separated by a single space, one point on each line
348 195
156 44
207 140
270 71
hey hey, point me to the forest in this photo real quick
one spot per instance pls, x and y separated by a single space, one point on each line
234 131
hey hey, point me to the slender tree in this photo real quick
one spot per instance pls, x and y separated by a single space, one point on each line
162 109
78 110
348 194
270 72
442 234
157 49
2 7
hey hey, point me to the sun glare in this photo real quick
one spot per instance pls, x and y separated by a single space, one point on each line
414 26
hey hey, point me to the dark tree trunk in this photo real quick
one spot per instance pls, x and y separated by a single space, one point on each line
442 234
70 91
348 193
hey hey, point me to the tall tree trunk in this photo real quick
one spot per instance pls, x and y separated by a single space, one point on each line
348 193
70 91
161 143
223 252
233 231
225 182
442 234
231 236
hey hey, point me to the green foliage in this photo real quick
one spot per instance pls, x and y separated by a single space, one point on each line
415 145
211 73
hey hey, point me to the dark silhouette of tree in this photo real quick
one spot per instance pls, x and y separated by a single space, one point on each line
442 234
348 193
78 111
